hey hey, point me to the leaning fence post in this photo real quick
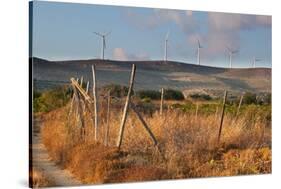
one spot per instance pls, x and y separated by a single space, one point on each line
107 118
239 106
95 102
87 91
144 124
161 103
125 110
222 116
80 114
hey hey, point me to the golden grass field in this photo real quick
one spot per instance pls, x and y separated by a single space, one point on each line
187 146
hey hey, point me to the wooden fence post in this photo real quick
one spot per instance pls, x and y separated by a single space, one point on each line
95 101
196 111
239 106
81 82
87 87
222 116
161 103
144 124
80 114
84 105
107 118
125 110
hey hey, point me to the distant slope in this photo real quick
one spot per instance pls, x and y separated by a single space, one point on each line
156 74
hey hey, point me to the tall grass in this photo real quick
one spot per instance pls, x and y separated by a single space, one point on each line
187 145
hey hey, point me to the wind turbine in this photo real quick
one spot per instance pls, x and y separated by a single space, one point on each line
166 46
198 51
231 53
254 61
103 46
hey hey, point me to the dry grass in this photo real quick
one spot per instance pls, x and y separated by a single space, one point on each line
187 145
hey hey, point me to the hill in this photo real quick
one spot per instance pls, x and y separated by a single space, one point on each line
154 75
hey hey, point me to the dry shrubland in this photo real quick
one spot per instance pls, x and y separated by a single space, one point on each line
187 146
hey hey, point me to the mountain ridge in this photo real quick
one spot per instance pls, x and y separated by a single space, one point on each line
158 73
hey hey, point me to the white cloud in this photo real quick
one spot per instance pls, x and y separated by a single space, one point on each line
224 29
183 19
221 30
121 54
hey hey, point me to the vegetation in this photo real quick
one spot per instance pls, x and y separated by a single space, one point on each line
171 94
116 90
51 99
250 98
187 143
151 94
212 108
197 96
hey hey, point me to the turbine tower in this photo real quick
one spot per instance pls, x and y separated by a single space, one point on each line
198 52
231 53
103 46
254 61
166 46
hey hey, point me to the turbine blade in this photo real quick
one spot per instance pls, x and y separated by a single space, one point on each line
97 34
108 33
234 52
229 50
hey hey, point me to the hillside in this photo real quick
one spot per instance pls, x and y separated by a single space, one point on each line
153 75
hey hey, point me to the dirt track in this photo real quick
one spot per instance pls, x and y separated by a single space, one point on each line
42 162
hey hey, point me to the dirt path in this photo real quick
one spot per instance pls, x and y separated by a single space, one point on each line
42 162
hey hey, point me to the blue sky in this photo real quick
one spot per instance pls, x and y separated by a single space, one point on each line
63 31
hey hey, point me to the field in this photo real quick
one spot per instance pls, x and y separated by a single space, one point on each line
186 134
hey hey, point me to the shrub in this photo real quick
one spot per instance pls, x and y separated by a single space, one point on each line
250 98
51 99
170 94
154 95
117 90
200 96
264 99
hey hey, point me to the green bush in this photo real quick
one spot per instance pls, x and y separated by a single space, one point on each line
51 99
154 95
187 107
117 90
250 98
200 96
170 94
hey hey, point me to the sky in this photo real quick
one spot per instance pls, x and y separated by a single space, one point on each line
64 31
